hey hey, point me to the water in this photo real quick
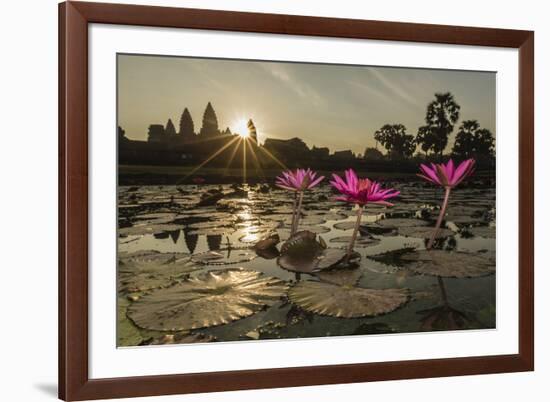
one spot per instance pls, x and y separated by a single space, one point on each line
167 219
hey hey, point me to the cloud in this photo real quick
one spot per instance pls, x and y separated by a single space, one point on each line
392 86
281 73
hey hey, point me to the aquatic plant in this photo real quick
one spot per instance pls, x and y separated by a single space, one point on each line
341 298
212 298
304 253
360 192
447 176
298 181
450 264
149 269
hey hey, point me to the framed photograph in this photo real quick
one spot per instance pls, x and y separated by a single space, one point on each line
259 200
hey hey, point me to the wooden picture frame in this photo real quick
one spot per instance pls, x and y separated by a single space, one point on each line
74 381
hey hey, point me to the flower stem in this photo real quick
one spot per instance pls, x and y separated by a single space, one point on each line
298 213
354 235
293 214
439 218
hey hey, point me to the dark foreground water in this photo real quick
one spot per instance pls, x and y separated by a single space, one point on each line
169 240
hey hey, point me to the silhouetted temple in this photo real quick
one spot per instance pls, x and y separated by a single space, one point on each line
167 146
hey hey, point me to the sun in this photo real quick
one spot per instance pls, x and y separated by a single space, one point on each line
240 127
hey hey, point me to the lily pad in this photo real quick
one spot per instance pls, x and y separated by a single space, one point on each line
146 270
341 277
303 253
127 333
285 232
372 228
424 232
324 259
269 241
143 229
345 301
208 225
450 264
361 241
212 231
402 222
224 256
326 215
210 299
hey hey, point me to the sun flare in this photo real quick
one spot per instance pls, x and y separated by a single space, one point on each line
240 127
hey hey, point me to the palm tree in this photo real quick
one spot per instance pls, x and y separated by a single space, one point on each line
425 137
395 139
441 116
465 139
473 142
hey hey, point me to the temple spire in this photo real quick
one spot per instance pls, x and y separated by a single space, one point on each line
209 122
170 130
252 130
187 127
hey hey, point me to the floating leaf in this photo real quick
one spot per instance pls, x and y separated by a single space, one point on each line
143 229
209 224
285 232
424 232
212 298
224 256
270 241
341 277
331 257
345 301
212 231
402 222
450 264
372 228
361 241
326 215
146 270
169 216
127 333
303 253
348 225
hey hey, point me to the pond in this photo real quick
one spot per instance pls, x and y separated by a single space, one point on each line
188 270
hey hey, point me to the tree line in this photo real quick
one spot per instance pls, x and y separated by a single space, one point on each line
442 114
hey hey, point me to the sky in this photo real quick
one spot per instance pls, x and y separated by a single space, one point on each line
334 106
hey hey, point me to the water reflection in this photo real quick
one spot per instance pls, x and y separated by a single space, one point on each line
239 220
445 317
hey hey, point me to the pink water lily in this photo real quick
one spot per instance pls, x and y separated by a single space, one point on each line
361 192
298 181
447 176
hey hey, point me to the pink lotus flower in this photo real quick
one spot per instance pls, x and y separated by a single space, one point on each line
447 175
300 180
361 191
